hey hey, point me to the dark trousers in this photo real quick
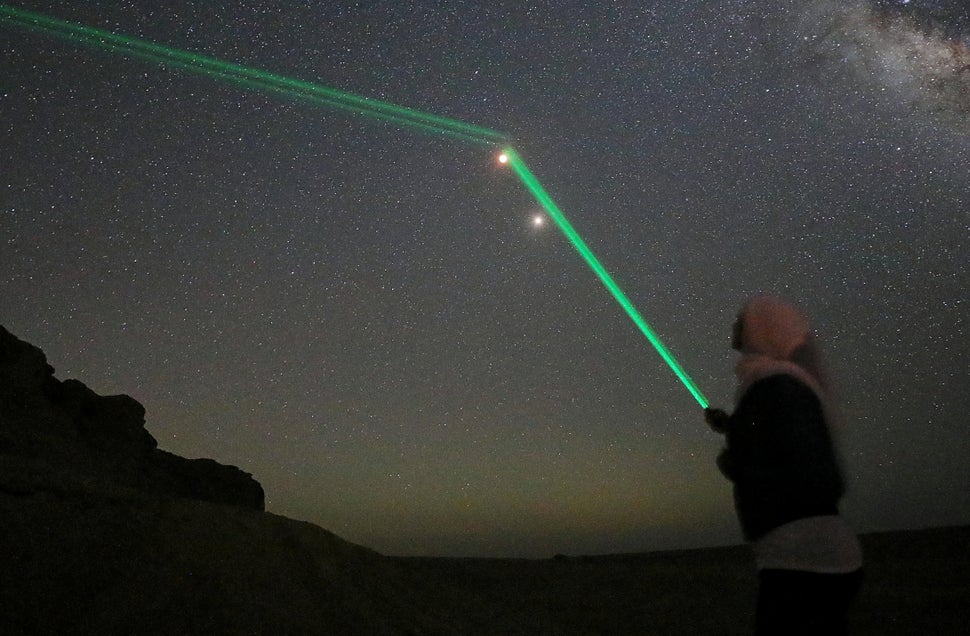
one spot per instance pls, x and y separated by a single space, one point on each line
793 603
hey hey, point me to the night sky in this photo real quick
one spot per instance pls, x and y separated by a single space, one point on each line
367 318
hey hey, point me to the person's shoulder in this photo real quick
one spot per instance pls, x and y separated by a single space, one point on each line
781 386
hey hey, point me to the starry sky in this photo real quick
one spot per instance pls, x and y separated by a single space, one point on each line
367 319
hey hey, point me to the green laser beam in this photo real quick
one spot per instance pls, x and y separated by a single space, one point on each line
253 78
532 184
321 95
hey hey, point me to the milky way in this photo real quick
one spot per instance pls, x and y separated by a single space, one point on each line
917 52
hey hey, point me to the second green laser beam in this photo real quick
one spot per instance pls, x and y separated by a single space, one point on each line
253 78
533 185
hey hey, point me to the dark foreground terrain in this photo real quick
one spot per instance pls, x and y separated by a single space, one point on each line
128 564
103 533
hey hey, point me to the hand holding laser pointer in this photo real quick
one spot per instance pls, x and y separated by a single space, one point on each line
717 419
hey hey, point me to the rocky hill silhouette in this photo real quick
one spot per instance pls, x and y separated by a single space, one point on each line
64 436
101 532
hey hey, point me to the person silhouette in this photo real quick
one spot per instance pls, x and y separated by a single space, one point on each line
787 479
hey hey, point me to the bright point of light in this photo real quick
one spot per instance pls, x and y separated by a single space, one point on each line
503 158
538 220
542 197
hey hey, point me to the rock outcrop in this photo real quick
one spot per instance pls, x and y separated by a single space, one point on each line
53 430
103 533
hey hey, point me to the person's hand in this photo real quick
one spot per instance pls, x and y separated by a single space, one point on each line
717 420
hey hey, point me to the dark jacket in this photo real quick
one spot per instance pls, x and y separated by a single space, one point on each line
780 456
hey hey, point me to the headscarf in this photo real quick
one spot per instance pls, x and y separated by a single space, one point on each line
776 338
772 327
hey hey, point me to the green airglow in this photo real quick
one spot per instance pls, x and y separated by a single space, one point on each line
533 185
253 78
332 98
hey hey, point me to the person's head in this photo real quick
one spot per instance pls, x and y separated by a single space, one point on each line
770 326
773 327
